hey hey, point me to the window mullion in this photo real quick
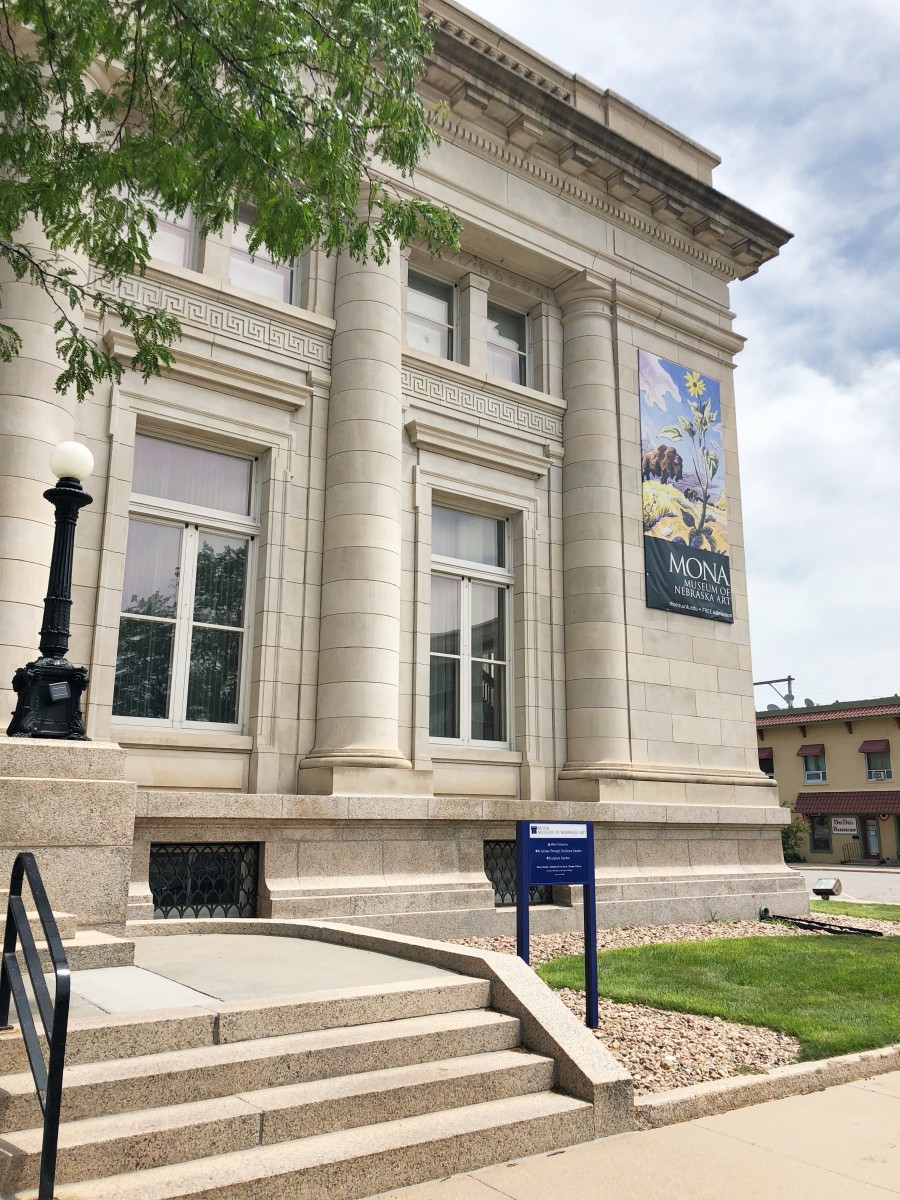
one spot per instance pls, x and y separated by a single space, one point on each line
465 663
181 666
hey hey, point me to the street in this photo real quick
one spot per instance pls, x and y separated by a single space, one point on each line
878 884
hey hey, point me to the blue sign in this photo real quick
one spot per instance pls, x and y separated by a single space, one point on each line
558 853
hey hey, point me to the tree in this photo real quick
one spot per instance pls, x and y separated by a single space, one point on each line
114 111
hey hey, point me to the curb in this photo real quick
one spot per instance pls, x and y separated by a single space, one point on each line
724 1095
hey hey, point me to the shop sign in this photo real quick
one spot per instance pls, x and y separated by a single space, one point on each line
844 825
686 554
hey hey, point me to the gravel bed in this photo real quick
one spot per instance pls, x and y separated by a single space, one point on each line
663 1049
888 928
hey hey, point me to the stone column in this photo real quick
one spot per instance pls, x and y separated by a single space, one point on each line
593 575
357 714
473 294
34 417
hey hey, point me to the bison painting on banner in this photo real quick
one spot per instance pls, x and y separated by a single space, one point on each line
686 560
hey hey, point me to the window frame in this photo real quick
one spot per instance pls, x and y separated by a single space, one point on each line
525 356
813 848
193 521
467 572
877 774
193 242
453 324
294 267
814 774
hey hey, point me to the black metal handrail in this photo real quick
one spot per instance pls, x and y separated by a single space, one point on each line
48 1076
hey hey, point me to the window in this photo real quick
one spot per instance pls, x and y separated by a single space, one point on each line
820 835
184 623
767 761
878 765
430 316
257 272
814 768
470 587
173 241
507 345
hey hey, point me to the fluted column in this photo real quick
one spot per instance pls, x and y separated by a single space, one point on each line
34 417
359 648
593 576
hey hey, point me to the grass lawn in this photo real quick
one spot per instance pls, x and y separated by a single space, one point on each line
845 908
835 994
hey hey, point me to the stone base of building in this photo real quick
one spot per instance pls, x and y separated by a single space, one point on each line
416 865
71 806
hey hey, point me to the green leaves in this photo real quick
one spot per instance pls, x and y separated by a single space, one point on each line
672 432
112 111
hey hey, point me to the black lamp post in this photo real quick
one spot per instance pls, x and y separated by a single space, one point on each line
49 689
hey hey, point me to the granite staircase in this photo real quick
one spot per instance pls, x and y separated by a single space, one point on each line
339 1095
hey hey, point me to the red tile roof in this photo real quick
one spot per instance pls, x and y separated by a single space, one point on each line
873 801
812 716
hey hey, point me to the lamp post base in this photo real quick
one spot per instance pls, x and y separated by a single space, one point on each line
49 692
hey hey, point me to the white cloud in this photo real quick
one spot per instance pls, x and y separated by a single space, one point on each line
802 100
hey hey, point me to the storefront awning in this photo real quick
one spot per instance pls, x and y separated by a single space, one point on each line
877 746
812 748
815 804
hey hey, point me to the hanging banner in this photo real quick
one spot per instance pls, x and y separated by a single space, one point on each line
686 562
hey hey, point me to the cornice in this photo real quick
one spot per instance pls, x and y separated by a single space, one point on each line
558 181
462 441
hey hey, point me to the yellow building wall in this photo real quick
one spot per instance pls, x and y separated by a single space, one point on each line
845 769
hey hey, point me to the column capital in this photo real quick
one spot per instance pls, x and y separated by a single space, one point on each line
586 289
473 280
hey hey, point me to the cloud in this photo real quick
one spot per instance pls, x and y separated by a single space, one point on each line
802 100
661 388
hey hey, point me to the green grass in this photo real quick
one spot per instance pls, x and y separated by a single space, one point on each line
845 908
836 994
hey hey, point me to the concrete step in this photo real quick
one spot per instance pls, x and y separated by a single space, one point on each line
128 1035
101 1146
349 1164
89 949
184 1076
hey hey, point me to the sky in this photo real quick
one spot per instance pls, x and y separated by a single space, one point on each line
801 100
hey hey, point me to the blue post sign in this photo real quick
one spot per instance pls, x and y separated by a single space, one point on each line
559 852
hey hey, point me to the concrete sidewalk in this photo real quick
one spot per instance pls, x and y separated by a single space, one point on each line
840 1144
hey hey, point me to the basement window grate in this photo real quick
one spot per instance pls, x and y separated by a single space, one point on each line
199 879
500 868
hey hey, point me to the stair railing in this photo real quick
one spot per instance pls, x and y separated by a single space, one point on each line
54 1015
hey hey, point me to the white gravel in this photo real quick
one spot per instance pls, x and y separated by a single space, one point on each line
662 1049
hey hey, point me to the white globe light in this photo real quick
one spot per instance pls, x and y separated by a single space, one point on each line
71 460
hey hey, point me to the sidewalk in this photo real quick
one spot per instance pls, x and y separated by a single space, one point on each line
840 1144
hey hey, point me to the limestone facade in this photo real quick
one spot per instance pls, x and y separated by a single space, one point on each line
365 741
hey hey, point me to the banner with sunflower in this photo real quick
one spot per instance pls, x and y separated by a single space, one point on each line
686 554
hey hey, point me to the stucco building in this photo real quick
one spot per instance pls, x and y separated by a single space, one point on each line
834 765
363 580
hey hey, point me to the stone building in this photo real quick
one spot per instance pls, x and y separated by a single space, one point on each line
833 765
363 580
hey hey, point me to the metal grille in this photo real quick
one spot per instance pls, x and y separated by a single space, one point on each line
500 868
203 880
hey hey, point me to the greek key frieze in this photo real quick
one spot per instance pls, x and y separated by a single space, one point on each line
501 410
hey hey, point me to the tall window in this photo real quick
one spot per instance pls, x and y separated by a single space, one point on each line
257 272
820 835
470 588
173 241
814 768
184 622
430 316
878 765
507 345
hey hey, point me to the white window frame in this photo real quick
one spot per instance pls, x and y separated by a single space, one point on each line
261 255
193 242
814 774
468 572
874 774
194 519
452 325
525 355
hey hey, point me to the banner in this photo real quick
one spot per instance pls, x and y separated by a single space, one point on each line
686 562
